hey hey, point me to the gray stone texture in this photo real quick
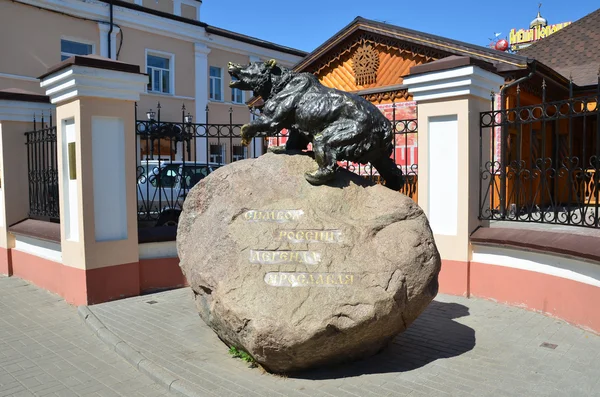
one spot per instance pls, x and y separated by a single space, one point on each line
379 278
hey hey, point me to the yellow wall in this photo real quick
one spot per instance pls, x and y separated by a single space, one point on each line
134 51
160 5
219 111
36 50
188 11
32 86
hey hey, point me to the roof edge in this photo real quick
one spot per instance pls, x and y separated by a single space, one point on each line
207 27
377 27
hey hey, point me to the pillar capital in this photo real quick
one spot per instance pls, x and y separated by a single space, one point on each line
451 77
21 105
93 76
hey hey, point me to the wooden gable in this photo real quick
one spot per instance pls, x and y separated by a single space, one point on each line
370 63
392 65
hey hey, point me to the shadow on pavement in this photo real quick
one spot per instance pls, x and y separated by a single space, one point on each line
433 336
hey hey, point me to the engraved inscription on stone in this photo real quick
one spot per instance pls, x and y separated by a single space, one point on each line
302 279
308 236
279 216
285 257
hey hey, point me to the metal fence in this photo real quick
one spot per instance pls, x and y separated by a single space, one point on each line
173 156
42 166
541 163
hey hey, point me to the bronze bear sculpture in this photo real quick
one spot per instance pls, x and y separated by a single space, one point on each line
340 125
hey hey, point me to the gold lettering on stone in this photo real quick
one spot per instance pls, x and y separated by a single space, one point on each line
308 236
285 257
272 278
305 279
279 216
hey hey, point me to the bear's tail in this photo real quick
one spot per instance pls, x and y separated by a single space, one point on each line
390 172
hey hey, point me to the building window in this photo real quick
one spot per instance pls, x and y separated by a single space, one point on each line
69 48
237 95
216 84
159 70
217 153
239 153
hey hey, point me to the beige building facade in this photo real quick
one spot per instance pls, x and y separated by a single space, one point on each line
185 58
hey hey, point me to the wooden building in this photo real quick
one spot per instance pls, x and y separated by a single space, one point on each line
371 59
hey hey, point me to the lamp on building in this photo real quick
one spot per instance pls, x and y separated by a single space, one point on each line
188 118
150 114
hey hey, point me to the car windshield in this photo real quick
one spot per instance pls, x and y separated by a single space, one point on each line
167 178
192 174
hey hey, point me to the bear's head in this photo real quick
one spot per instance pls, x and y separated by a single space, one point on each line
256 76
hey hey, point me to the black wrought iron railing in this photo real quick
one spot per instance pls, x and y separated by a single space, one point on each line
42 166
173 156
541 163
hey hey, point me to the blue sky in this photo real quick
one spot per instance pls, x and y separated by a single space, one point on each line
306 24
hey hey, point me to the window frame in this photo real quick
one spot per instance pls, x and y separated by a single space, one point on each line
222 155
233 90
78 41
171 58
210 83
236 157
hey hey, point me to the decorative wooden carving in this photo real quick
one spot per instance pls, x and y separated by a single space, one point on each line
373 39
365 63
387 96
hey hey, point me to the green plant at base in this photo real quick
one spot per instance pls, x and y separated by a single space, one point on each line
236 353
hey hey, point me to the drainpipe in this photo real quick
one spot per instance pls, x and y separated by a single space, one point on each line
110 5
504 133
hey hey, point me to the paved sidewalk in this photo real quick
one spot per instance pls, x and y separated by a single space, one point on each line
46 350
458 347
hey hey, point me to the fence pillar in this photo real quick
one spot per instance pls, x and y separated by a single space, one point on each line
95 100
17 111
450 94
201 76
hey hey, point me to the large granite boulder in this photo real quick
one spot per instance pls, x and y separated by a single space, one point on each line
299 275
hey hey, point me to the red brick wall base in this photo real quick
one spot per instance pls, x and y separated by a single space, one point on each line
558 297
86 287
5 262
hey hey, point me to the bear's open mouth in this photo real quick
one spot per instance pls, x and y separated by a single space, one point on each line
234 70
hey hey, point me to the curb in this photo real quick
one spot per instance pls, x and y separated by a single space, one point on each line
155 372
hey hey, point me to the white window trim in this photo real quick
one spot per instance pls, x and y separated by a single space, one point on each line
78 40
222 85
163 54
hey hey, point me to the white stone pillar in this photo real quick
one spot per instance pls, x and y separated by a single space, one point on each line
96 137
449 102
201 78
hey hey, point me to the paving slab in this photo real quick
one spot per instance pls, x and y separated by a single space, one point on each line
457 347
46 350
